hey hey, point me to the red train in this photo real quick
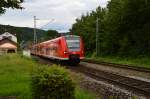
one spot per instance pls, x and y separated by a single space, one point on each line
67 48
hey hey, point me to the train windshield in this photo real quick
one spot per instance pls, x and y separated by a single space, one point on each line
73 43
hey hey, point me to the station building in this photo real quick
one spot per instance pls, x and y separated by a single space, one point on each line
8 43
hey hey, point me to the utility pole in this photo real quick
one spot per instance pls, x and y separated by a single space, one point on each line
35 34
97 36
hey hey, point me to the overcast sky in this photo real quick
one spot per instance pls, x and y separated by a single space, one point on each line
60 14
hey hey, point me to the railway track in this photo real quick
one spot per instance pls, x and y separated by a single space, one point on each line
141 69
134 85
131 84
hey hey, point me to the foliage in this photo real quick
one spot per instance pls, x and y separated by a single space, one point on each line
14 4
123 28
15 76
141 61
127 27
85 27
50 34
82 94
52 83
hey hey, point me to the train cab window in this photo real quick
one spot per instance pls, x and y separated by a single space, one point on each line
73 43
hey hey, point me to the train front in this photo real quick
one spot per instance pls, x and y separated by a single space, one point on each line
75 48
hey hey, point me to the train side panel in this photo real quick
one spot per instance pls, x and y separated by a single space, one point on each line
63 48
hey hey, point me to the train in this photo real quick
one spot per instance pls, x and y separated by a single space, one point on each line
67 48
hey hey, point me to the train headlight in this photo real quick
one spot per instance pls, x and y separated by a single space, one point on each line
65 52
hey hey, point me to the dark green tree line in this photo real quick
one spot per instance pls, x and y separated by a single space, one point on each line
127 27
124 28
50 34
85 27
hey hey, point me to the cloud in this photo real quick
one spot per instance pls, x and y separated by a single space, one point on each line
63 11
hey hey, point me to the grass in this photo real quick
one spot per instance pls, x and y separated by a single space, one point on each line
15 77
82 94
138 62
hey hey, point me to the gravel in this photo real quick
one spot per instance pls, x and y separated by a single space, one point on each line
103 90
120 71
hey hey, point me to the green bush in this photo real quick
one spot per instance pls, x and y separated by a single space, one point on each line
52 83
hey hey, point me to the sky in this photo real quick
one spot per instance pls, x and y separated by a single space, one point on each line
51 14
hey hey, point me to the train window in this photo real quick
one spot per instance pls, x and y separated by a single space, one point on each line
73 43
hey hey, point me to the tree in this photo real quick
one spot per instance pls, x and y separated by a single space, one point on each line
14 4
50 34
86 28
127 27
124 28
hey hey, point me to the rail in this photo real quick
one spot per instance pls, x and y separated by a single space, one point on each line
134 85
141 87
136 68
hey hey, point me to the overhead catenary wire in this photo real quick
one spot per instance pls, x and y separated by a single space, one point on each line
47 24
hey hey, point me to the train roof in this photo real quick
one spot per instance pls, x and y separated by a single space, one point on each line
71 36
51 40
59 38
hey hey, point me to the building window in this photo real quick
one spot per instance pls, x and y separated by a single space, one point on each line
4 37
9 37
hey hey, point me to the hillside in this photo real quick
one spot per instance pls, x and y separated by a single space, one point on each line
23 33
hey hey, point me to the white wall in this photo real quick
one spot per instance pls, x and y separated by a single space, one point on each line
27 53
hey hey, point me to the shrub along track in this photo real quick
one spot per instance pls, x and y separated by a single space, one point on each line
134 85
140 69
